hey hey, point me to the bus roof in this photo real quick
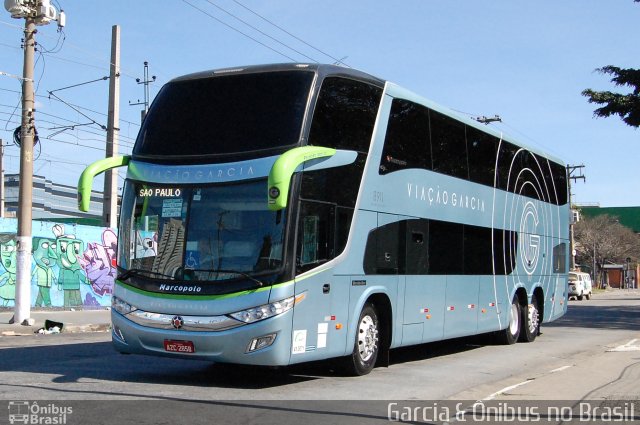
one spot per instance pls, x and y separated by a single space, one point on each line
320 69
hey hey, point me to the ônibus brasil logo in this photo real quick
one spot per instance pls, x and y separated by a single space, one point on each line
25 412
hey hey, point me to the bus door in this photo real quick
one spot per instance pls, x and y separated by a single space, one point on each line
325 303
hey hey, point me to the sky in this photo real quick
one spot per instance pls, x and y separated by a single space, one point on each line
525 61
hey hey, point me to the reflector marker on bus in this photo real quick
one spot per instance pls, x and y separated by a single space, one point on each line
471 306
424 310
492 304
451 308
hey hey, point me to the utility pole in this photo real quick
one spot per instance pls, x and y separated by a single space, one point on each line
110 194
27 136
1 178
146 82
571 169
35 12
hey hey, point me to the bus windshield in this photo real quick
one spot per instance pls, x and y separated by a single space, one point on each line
207 233
224 115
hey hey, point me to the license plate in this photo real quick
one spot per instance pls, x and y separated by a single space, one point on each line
179 346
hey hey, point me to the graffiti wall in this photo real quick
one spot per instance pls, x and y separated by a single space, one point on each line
73 265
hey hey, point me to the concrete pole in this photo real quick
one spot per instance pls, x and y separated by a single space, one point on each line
1 178
27 136
110 196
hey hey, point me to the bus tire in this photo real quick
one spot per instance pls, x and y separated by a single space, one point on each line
530 321
511 334
367 342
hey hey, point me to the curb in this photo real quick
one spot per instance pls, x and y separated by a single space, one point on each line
68 329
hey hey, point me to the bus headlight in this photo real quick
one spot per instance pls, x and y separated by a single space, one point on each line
262 312
121 306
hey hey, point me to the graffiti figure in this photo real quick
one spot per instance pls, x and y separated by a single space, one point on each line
71 275
99 263
44 255
8 259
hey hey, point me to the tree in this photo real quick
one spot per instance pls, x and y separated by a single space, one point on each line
603 239
627 106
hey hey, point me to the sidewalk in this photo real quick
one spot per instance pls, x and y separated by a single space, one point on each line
73 321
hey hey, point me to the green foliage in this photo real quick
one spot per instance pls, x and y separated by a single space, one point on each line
627 106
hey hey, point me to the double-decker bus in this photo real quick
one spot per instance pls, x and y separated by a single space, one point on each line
280 214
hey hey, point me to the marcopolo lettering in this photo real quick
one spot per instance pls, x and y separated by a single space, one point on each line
180 288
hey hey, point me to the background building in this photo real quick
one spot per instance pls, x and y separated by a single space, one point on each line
52 201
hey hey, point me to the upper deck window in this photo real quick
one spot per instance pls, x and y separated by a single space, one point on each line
226 115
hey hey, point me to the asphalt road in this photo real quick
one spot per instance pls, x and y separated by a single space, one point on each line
593 353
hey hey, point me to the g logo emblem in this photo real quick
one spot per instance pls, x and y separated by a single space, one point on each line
530 244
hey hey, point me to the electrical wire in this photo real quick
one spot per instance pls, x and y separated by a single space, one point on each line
239 31
260 31
336 60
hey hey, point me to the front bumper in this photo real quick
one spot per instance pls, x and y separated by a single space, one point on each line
223 346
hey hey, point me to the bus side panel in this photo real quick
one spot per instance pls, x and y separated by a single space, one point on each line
315 335
461 312
487 306
424 300
557 299
505 291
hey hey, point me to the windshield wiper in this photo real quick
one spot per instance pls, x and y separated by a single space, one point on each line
243 274
128 273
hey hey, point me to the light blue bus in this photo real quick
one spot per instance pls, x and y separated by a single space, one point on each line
281 214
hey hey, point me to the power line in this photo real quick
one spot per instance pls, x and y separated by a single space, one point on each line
240 32
260 31
75 105
336 60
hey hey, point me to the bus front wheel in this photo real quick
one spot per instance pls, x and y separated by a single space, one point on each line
510 335
367 342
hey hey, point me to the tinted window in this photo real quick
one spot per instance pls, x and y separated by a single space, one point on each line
477 250
345 114
560 258
418 137
506 173
337 185
448 146
381 253
226 114
406 143
482 148
417 247
560 180
422 246
505 251
446 248
316 235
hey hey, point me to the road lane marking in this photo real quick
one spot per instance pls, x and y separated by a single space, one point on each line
505 389
560 369
626 347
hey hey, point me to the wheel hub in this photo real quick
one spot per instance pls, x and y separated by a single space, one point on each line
367 338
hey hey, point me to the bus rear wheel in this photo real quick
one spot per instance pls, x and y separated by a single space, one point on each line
530 321
512 333
367 343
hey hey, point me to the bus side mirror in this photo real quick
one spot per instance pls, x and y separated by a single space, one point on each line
86 178
284 167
